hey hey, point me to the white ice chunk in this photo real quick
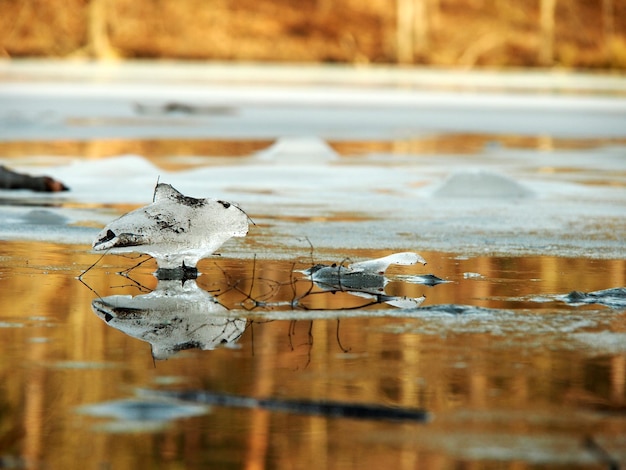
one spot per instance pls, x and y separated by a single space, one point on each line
298 149
175 229
380 265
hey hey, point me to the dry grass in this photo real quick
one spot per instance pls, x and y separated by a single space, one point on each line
456 32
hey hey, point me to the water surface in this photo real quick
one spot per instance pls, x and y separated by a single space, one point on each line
529 378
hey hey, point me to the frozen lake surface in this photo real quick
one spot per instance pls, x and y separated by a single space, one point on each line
512 186
567 194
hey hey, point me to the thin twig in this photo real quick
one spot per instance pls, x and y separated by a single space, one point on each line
155 188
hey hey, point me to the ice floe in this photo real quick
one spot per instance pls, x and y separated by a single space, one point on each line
366 278
376 266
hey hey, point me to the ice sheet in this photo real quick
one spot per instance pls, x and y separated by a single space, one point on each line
573 204
395 205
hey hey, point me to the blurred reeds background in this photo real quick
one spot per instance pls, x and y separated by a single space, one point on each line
462 33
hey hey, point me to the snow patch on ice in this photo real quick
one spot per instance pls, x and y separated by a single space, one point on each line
481 184
298 150
393 197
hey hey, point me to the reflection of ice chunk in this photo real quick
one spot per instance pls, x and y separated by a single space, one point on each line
173 317
145 415
456 309
175 229
423 279
480 184
298 149
405 302
143 410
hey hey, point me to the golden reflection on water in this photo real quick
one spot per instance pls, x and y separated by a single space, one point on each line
469 144
168 153
165 153
56 355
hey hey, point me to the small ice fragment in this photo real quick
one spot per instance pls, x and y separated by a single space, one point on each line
175 229
380 265
363 273
365 278
471 275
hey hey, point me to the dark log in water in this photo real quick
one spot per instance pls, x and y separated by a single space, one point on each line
12 180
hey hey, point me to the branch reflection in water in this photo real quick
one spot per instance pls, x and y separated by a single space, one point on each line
179 315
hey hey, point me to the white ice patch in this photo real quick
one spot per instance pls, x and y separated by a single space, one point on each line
298 150
175 229
481 184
